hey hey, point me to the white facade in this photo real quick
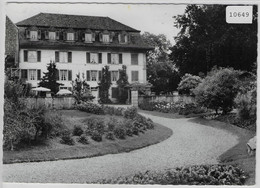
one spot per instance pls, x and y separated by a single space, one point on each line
79 65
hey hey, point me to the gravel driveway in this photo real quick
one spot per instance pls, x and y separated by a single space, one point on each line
190 144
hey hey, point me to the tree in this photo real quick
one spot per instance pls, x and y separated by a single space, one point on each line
206 39
49 79
188 83
122 82
81 90
104 85
161 72
218 90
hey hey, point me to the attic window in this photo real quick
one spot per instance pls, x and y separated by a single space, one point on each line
70 36
123 37
105 38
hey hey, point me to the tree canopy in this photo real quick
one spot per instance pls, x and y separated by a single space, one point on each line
161 72
206 39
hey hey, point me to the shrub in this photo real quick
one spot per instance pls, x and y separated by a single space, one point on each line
119 133
191 108
66 138
246 105
130 113
188 83
95 125
77 130
218 90
112 123
110 136
96 136
90 108
83 139
54 120
146 105
195 175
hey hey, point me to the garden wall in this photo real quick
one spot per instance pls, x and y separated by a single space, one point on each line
48 102
166 98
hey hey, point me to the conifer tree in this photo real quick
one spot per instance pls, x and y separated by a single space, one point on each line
104 85
122 82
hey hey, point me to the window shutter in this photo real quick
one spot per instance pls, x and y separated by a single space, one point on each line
69 75
27 33
99 75
69 57
39 34
57 75
57 59
88 57
38 56
24 74
46 34
76 36
100 58
83 36
93 37
128 38
39 74
25 56
111 37
88 75
100 37
123 38
64 36
120 58
109 58
119 38
57 35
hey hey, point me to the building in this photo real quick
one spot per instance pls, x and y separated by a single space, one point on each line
80 45
11 47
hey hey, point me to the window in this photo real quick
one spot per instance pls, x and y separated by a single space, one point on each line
70 36
32 56
134 59
135 76
114 58
88 37
105 38
63 57
93 58
33 35
93 75
32 74
24 74
122 38
114 76
52 35
63 75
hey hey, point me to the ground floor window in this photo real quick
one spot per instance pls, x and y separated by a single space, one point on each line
135 75
114 76
114 92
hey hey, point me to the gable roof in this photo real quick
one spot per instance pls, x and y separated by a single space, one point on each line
75 21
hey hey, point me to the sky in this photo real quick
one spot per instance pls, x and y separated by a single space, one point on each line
156 19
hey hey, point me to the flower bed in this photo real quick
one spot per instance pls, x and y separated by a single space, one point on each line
172 107
195 175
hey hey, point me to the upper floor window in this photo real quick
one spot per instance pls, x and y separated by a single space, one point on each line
94 58
64 75
33 35
106 37
89 37
134 59
63 57
114 58
70 36
31 56
52 35
114 76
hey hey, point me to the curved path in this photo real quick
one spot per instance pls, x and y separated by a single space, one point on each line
190 144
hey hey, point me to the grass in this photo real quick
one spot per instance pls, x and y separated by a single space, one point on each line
54 150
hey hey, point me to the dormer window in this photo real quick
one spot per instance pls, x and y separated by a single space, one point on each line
88 36
33 34
52 35
106 37
70 36
123 37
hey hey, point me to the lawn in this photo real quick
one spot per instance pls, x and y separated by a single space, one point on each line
54 150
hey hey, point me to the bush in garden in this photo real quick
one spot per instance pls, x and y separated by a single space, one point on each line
119 133
110 135
188 83
146 105
77 130
95 125
130 113
66 138
112 123
218 90
191 108
54 120
110 110
90 108
246 105
83 139
194 175
96 136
